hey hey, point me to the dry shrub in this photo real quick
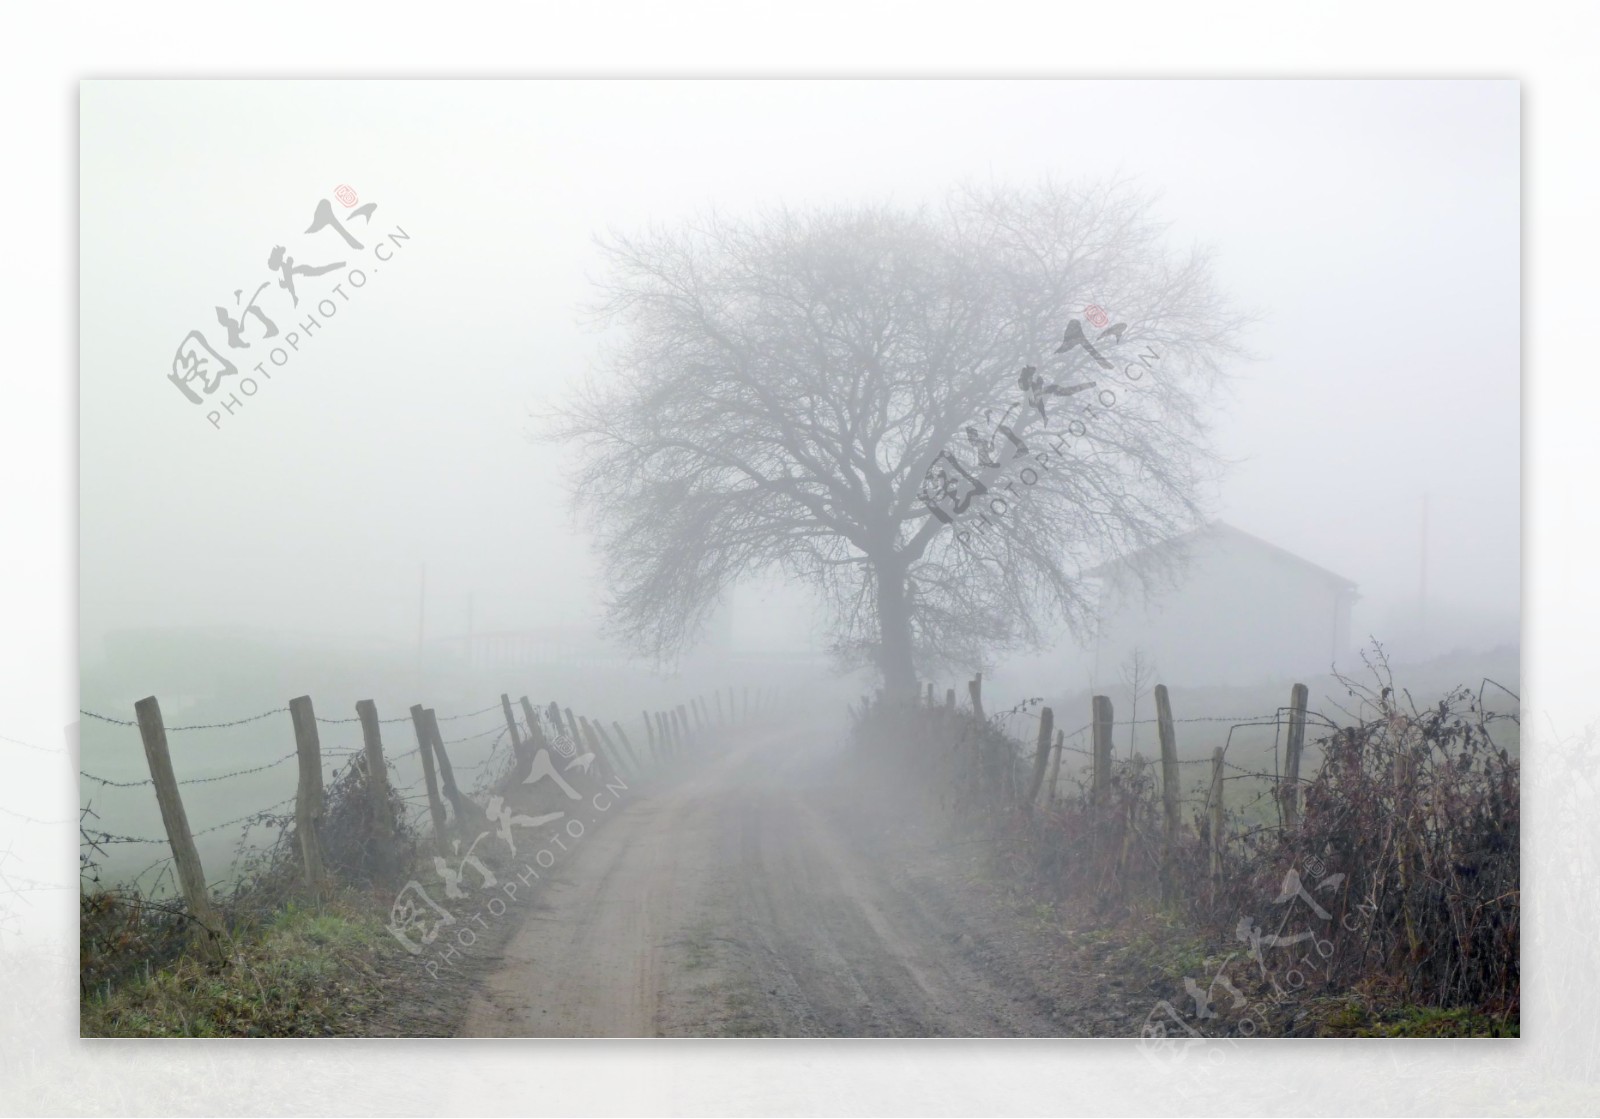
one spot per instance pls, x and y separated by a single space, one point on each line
126 930
1409 834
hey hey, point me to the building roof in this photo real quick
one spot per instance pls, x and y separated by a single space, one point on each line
1216 529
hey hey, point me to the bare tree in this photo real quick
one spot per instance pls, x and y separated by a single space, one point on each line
1138 672
779 388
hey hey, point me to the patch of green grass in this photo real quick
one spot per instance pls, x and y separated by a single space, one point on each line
307 972
1351 1017
1427 1021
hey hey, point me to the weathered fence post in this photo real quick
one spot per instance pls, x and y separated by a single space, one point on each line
592 743
377 770
1404 809
1041 756
1169 773
608 749
650 734
419 721
684 712
1055 767
447 776
572 730
1103 723
308 795
1218 818
615 754
949 699
191 876
1298 696
555 720
975 690
536 742
633 759
519 749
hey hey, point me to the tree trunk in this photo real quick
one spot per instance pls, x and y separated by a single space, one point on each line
894 633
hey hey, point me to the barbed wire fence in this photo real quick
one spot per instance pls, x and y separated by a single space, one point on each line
1222 817
363 816
518 726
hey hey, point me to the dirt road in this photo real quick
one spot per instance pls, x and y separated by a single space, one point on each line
753 897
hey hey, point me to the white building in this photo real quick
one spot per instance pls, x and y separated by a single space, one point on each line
1240 611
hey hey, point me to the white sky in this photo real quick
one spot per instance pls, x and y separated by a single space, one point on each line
1374 225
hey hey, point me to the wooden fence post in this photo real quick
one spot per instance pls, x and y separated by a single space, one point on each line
1041 755
519 749
650 734
419 720
377 770
975 690
1218 818
1290 791
191 876
536 741
949 699
1404 809
1055 767
1169 772
633 759
593 744
682 711
555 720
447 776
616 755
1103 723
572 730
604 746
308 795
1136 779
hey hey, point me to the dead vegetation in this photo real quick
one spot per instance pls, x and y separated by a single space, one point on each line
1397 885
131 934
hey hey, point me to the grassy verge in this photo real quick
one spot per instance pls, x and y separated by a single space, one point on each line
307 972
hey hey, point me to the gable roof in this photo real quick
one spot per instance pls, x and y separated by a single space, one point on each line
1220 529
